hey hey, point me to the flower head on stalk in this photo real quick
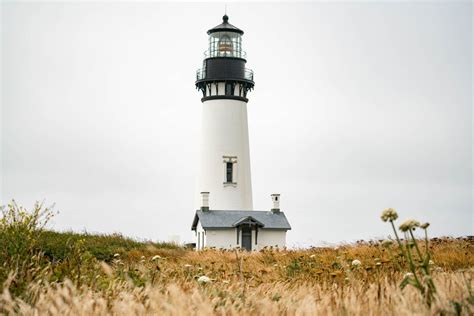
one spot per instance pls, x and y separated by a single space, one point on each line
389 214
425 225
408 225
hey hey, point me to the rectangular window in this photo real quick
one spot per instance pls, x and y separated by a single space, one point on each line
229 171
228 89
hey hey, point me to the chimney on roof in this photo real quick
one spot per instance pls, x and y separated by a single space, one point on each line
276 203
205 201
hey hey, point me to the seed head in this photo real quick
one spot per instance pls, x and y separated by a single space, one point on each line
425 225
409 224
387 243
389 214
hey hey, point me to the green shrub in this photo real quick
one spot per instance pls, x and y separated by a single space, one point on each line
20 231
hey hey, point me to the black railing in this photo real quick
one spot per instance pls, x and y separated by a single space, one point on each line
201 74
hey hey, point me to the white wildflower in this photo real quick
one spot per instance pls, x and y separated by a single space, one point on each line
389 214
356 263
312 256
156 257
203 279
408 275
187 266
408 225
431 262
116 255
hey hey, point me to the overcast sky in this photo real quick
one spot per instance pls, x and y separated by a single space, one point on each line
357 107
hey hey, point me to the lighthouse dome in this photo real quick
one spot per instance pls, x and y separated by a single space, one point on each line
225 26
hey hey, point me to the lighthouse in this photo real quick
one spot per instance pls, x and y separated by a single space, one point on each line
224 216
225 158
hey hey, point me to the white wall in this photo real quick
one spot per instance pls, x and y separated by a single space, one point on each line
200 240
268 237
224 132
222 238
227 238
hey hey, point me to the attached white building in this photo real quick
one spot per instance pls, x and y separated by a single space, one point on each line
225 157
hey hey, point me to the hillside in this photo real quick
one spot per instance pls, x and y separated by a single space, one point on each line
46 272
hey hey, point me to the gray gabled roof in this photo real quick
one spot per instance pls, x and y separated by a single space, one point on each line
228 219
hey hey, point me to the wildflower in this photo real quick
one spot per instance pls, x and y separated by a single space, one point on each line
389 214
116 255
378 264
425 225
156 257
225 281
187 266
408 275
431 262
387 243
409 224
203 279
356 263
312 256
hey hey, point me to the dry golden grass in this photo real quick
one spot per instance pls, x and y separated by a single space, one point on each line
318 281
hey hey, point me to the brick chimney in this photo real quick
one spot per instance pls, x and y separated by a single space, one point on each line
276 203
205 201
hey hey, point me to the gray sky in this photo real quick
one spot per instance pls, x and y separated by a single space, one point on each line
357 107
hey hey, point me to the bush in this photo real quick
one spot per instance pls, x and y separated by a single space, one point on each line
20 231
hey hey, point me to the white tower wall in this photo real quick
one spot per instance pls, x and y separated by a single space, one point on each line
224 137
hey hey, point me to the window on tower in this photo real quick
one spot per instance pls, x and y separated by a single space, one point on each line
229 89
229 171
225 45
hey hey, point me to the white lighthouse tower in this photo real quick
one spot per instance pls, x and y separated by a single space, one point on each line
225 159
224 216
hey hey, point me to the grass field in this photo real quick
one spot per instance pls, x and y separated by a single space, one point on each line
46 272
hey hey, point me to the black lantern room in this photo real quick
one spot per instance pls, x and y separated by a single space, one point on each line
223 75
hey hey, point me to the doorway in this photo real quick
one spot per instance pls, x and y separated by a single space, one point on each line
247 238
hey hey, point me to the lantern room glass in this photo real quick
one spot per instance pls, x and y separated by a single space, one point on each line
225 44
